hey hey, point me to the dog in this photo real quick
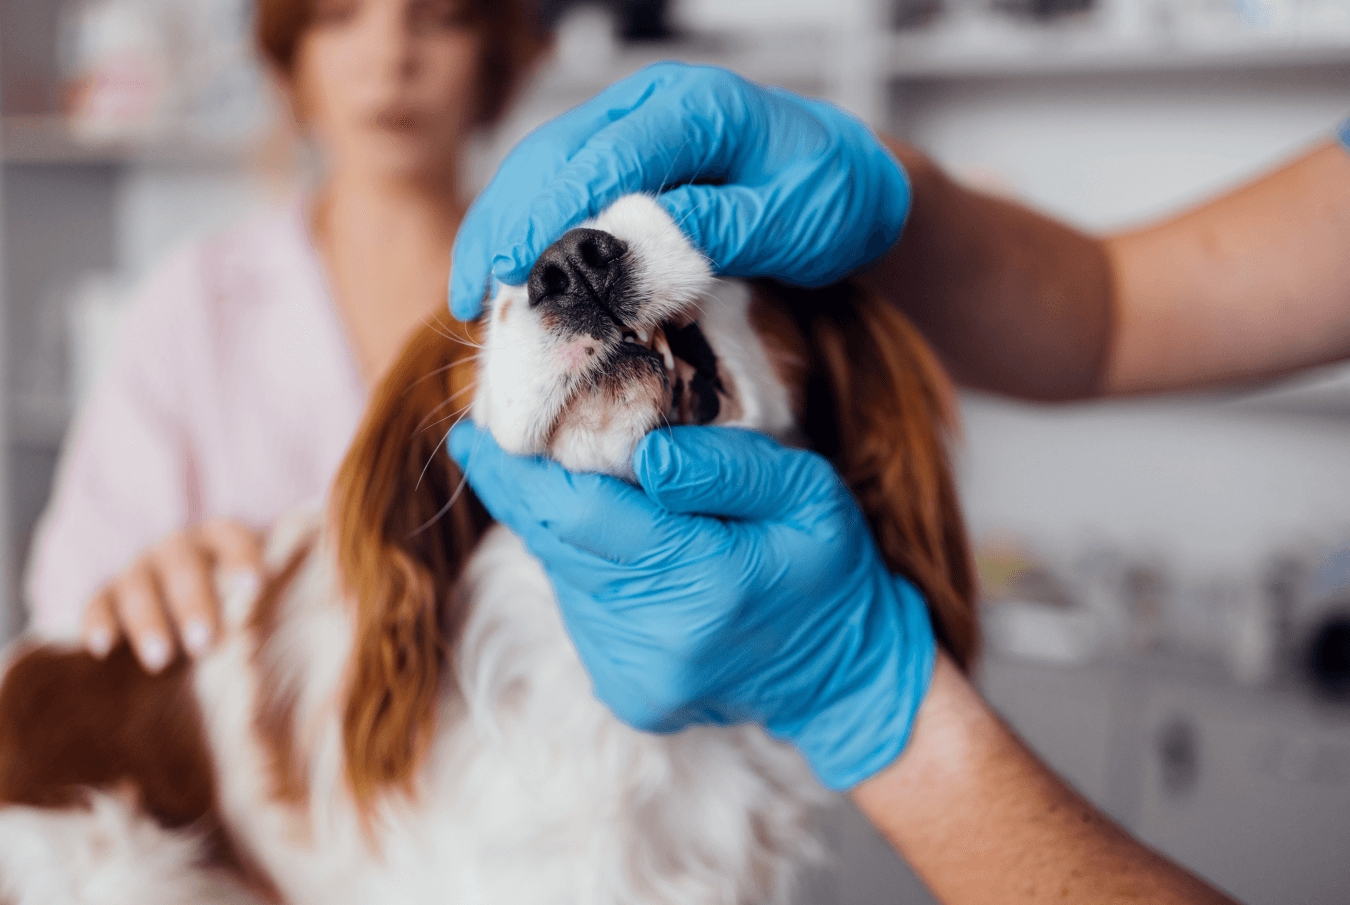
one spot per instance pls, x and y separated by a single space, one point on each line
398 715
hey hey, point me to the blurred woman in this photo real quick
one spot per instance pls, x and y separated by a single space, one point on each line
242 369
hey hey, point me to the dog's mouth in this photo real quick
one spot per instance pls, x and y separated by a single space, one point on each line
678 351
608 341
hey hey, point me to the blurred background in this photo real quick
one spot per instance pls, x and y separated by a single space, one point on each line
1166 583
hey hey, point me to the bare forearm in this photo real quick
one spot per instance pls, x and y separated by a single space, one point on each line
1013 302
1250 286
980 819
1247 287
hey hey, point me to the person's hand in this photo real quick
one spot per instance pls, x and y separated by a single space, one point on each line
771 606
168 593
804 192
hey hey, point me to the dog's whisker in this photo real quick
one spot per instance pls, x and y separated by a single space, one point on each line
440 514
429 415
441 370
458 414
434 323
665 180
438 451
454 497
449 399
448 331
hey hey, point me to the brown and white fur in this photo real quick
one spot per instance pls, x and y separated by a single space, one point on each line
399 716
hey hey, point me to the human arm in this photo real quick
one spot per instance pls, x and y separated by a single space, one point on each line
981 819
1249 286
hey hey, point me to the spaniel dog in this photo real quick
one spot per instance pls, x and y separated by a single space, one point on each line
398 715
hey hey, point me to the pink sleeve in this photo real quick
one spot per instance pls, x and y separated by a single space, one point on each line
125 479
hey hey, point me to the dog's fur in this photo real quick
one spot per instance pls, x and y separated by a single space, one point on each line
399 715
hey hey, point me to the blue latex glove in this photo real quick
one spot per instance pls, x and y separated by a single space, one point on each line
807 193
773 606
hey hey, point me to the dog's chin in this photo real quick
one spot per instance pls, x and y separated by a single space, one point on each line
642 385
600 427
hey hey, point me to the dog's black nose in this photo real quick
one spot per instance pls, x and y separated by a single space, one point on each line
585 269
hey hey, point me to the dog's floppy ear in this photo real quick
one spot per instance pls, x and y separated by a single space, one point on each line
877 403
400 546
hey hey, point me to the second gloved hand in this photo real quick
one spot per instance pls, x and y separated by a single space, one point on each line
742 586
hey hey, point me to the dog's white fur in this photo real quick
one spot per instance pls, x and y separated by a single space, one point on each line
105 854
532 791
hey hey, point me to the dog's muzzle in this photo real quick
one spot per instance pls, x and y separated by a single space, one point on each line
586 283
585 280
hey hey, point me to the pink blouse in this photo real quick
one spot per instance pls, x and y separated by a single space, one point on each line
232 392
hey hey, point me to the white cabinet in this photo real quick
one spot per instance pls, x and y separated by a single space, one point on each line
1250 790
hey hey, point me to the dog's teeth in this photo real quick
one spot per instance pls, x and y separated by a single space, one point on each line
663 347
644 337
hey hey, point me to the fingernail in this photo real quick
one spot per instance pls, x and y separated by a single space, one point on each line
100 642
197 637
154 653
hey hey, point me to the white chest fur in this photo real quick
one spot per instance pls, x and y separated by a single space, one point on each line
532 792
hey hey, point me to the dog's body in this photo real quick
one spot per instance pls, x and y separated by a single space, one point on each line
399 715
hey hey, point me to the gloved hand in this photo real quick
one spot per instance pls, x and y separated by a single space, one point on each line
772 606
806 193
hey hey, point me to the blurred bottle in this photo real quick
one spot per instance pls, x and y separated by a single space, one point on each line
140 71
225 96
116 68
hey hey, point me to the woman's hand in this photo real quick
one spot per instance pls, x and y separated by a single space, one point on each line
739 584
168 593
763 181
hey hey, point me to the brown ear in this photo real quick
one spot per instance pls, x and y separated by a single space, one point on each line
877 403
400 544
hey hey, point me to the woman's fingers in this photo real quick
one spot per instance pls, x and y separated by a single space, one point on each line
170 590
137 604
183 567
100 624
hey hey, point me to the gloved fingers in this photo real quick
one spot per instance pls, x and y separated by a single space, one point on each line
723 222
602 516
530 167
645 151
638 138
733 473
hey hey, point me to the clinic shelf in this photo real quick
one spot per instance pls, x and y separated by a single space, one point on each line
802 60
798 59
950 53
50 140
